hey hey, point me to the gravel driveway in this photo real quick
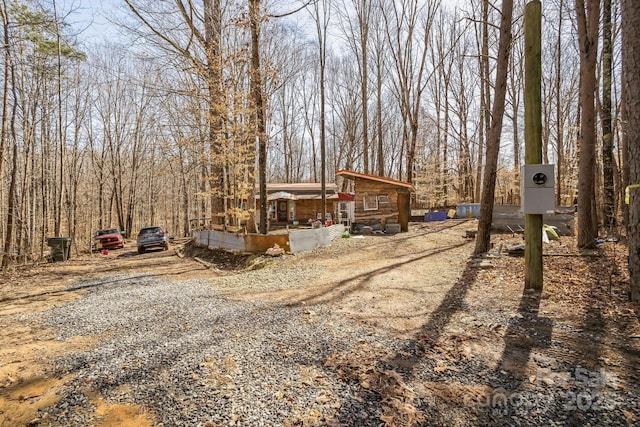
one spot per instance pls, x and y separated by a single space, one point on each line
392 330
193 357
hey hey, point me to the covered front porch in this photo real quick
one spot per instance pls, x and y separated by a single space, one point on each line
298 203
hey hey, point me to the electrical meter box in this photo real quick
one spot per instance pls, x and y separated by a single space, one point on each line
537 187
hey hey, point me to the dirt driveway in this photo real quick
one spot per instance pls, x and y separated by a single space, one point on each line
470 348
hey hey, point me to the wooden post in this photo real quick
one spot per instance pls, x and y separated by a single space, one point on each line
533 136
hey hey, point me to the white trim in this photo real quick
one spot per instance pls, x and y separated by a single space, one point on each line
365 204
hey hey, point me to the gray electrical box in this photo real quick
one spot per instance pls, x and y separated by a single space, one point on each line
537 187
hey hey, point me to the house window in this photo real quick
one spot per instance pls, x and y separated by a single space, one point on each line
370 203
383 199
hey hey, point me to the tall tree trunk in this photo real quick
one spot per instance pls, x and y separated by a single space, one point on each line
559 115
485 97
379 132
185 202
61 133
213 34
5 88
588 17
45 175
11 197
5 103
258 103
483 238
379 67
363 9
609 198
445 152
631 78
515 83
625 162
322 22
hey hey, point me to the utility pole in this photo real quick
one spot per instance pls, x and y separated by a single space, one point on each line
533 136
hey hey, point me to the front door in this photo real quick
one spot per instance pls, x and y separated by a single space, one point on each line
282 211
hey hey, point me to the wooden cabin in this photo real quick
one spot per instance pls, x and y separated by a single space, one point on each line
380 200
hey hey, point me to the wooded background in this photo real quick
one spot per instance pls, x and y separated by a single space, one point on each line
182 114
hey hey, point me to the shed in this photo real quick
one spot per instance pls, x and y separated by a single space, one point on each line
380 200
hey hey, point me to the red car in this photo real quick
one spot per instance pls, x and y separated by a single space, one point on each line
108 238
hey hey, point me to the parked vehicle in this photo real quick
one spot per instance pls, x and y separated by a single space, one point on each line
152 237
108 238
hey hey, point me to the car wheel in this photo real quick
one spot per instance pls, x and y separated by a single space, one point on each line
140 250
166 247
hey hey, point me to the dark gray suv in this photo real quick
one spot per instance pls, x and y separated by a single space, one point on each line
152 237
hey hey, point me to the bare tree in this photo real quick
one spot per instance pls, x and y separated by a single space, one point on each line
483 239
37 53
6 133
485 94
559 122
358 39
516 75
403 22
287 90
631 64
200 44
462 92
5 86
346 128
588 17
255 18
444 54
321 14
608 202
380 65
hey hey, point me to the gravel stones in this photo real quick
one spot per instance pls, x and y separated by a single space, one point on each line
192 357
190 354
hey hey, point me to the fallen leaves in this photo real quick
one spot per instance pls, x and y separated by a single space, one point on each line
362 365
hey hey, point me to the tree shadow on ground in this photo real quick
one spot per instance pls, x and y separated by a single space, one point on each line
560 376
353 284
526 330
420 230
83 285
396 403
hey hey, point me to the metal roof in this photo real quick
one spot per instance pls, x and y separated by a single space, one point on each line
281 195
300 186
300 191
353 174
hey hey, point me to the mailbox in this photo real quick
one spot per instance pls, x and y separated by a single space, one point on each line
537 187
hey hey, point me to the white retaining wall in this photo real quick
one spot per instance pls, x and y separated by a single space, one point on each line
306 240
220 239
299 240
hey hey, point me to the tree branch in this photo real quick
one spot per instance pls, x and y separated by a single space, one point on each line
283 15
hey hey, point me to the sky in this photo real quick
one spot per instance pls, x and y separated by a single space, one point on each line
94 20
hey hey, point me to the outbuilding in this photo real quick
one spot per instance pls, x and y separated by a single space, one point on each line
380 201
